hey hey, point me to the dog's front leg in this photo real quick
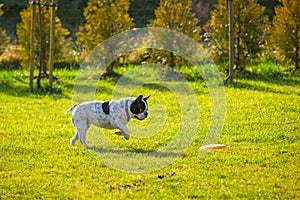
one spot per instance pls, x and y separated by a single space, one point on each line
123 130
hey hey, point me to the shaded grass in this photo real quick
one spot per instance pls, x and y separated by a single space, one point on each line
261 127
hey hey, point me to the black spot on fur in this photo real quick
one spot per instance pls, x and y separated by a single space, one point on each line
105 107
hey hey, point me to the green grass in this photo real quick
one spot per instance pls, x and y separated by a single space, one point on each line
261 128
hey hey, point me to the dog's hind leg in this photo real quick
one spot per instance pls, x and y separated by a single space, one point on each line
76 136
81 129
73 139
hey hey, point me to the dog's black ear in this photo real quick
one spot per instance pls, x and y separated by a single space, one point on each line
145 98
139 99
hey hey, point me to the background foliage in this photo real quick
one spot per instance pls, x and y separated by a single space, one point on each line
251 27
285 37
175 15
4 40
104 19
61 44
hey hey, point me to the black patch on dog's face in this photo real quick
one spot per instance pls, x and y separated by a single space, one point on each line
138 106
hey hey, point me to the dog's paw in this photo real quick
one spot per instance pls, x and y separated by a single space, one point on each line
119 133
72 142
127 137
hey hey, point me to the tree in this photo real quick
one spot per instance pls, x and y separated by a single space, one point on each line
4 40
269 6
285 37
202 9
61 46
175 15
104 18
251 27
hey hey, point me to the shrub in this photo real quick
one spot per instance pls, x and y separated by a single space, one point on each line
61 44
4 40
104 18
285 38
251 27
175 15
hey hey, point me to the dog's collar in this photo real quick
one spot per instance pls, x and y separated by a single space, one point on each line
126 110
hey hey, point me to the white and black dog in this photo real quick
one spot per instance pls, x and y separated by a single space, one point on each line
114 114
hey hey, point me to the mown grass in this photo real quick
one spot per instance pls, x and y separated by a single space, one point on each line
261 128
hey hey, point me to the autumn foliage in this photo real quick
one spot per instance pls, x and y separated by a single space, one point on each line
4 40
62 43
285 37
251 28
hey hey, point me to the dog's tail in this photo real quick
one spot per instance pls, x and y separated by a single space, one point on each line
70 109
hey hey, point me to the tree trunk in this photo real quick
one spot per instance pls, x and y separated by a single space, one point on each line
297 58
297 49
172 60
41 45
238 47
32 47
231 41
109 70
51 48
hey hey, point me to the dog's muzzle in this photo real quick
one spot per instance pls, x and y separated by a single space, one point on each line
142 115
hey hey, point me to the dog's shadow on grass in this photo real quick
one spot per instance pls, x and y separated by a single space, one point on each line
151 153
138 160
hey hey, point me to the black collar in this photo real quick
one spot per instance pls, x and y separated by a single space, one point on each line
127 110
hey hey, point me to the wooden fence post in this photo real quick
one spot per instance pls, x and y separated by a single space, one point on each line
41 45
32 46
231 41
51 48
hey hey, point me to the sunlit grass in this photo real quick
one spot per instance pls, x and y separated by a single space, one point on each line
261 128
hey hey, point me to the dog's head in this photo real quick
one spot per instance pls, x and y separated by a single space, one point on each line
139 107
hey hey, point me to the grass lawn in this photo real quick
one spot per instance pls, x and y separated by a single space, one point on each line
262 128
